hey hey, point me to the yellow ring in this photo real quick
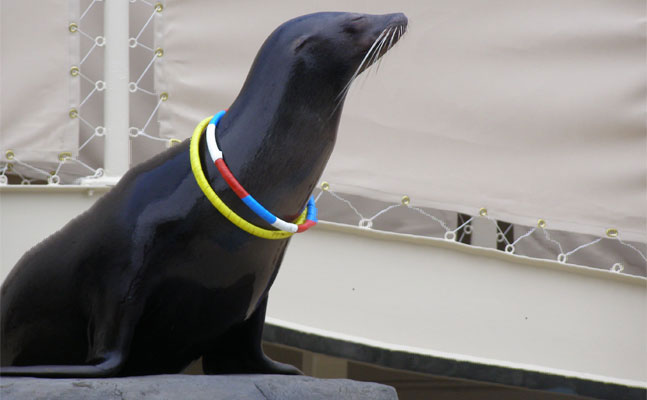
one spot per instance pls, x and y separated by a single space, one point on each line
215 200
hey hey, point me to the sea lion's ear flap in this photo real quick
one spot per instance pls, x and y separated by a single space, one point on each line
300 42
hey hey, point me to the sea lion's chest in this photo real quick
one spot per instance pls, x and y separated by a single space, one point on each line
181 247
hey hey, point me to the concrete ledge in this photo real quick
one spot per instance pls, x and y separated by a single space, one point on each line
195 387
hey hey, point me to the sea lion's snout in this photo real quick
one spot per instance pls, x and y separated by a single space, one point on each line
398 19
391 23
381 33
396 24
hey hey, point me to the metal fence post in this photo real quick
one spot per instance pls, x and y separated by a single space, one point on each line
116 97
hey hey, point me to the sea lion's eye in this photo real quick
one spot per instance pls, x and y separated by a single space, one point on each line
350 30
300 42
354 26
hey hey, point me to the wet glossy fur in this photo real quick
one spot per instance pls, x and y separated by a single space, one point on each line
152 277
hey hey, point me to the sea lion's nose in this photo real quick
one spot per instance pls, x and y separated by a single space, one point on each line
383 22
399 19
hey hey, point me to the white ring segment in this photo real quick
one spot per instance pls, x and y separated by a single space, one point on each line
214 151
285 226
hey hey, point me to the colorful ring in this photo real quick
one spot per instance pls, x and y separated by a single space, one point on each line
249 200
309 215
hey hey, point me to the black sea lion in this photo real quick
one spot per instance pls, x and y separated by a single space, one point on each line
152 277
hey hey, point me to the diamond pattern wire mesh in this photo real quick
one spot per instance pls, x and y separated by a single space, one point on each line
145 99
555 249
89 70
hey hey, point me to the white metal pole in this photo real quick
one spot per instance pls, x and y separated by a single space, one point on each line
116 95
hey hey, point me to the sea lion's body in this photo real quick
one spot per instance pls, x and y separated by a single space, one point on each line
152 277
153 254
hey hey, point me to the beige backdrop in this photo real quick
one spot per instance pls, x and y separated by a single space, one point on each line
533 109
36 89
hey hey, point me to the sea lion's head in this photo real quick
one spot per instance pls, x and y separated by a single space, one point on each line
319 55
281 129
343 42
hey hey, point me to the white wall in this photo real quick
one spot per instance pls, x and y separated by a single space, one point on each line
433 297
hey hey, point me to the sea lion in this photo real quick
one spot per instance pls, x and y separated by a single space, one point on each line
153 277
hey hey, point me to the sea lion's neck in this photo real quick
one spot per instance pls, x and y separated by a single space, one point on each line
277 146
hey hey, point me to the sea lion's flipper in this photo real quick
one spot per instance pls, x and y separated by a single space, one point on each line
109 343
239 350
106 368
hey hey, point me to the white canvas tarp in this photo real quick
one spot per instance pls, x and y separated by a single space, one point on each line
37 91
531 109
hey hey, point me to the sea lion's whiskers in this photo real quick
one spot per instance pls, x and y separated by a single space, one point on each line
368 54
382 44
344 91
386 37
395 31
403 30
377 55
399 31
373 54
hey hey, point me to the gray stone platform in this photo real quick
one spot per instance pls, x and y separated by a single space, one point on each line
194 387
